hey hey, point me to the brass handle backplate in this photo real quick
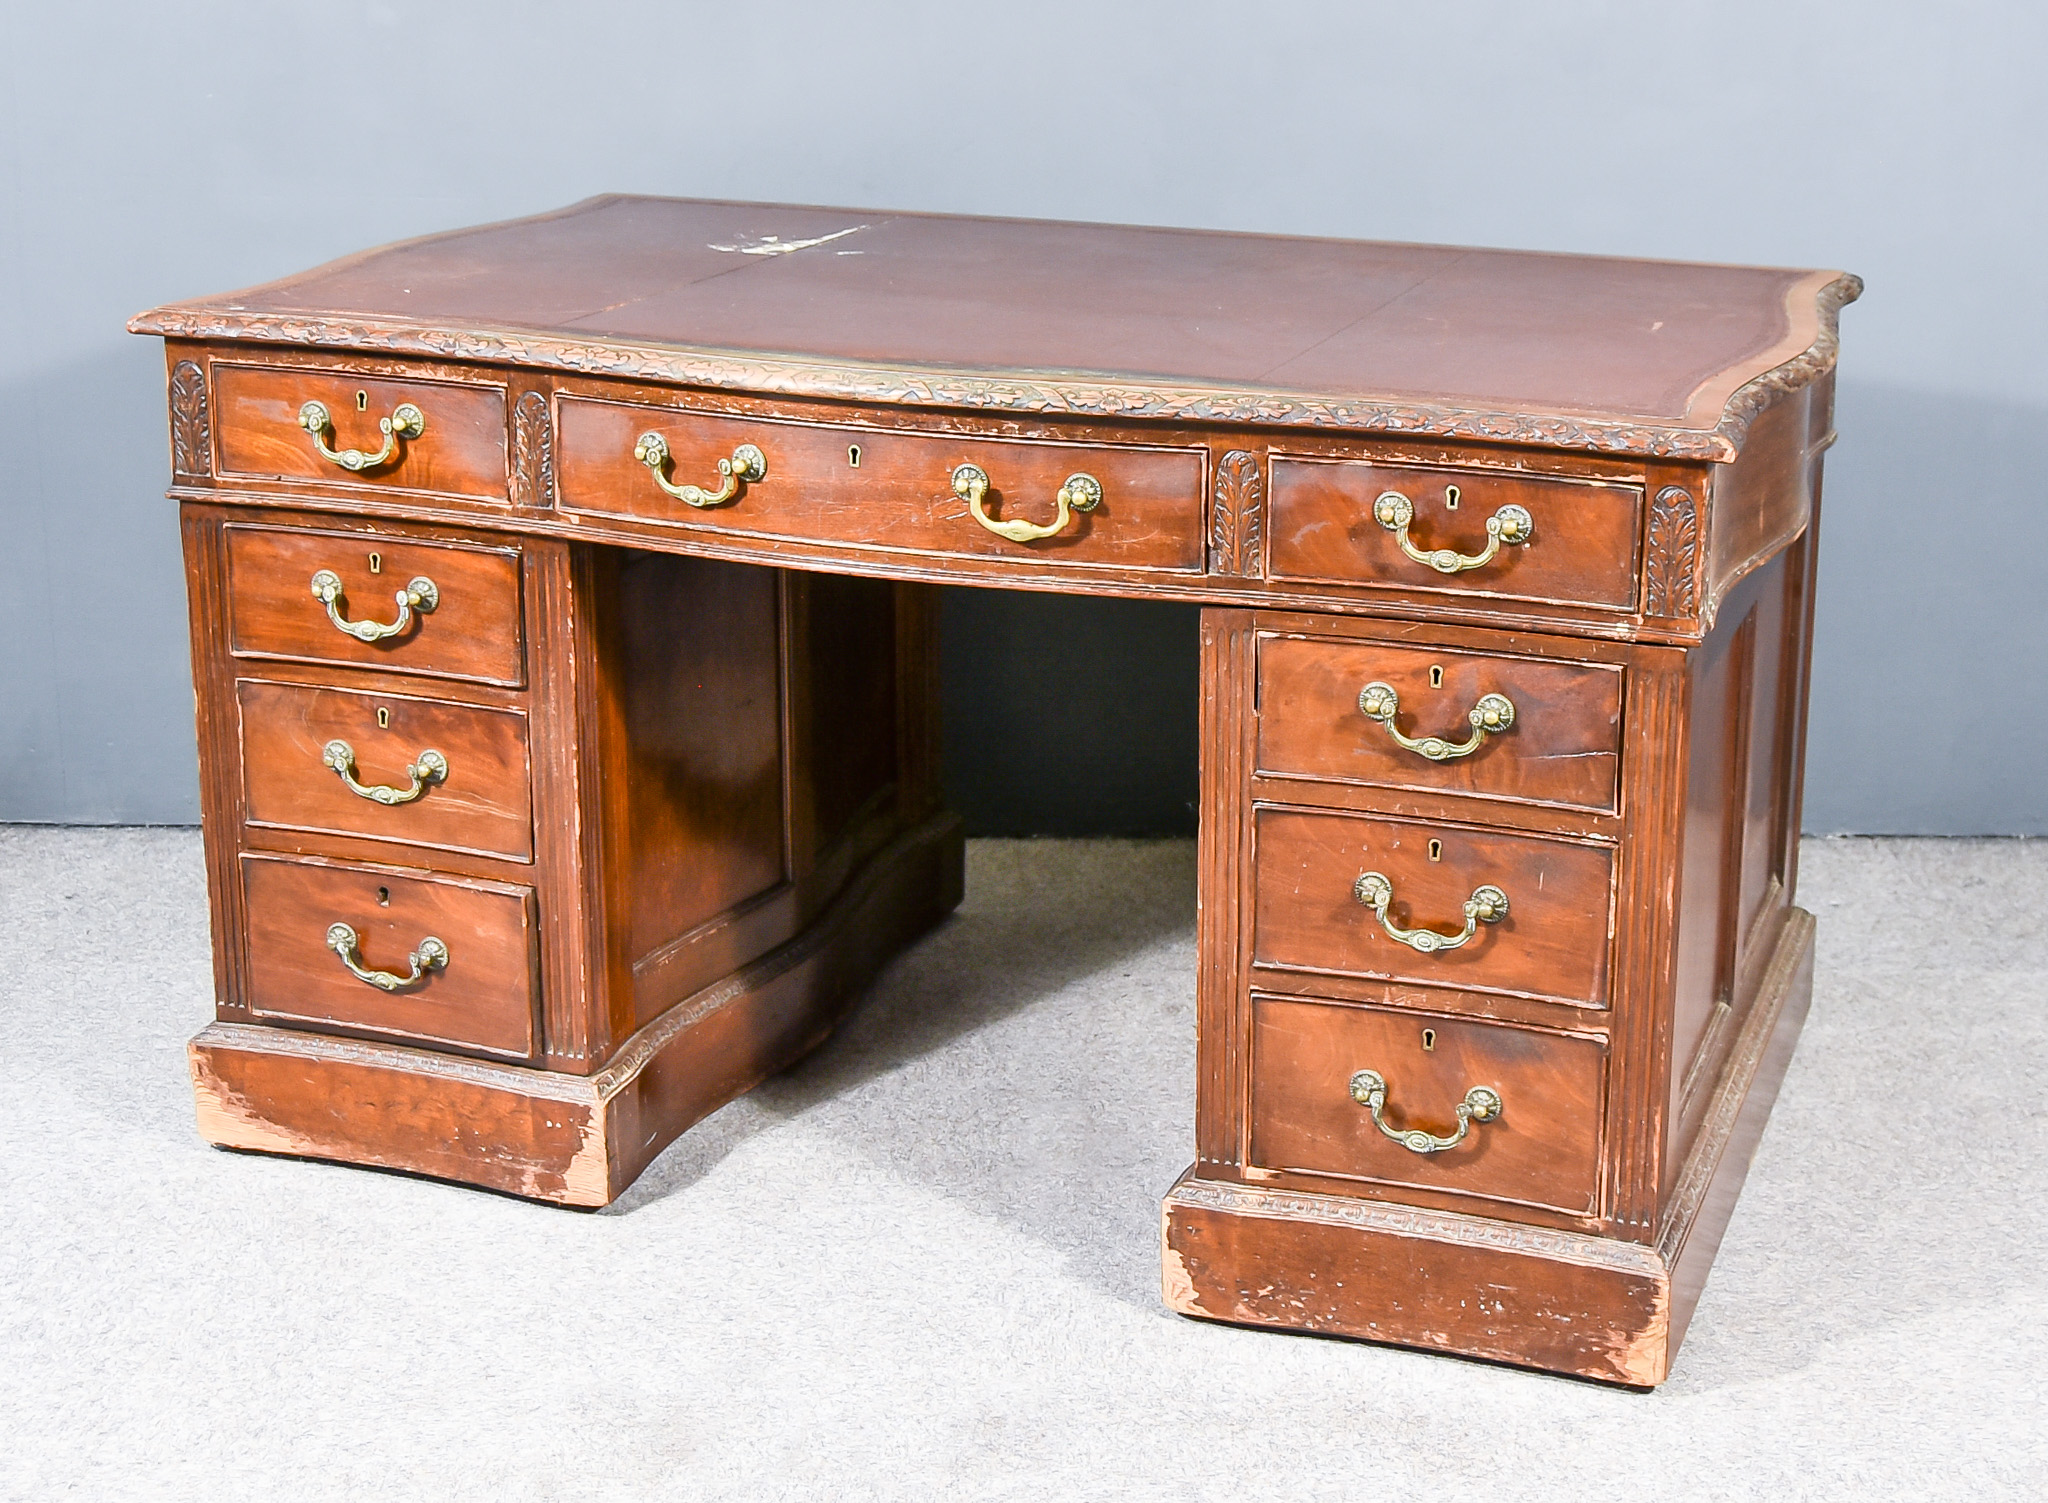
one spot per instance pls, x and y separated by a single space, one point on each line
1493 714
1369 1090
1511 525
1487 905
1080 493
419 595
432 955
406 421
431 767
747 464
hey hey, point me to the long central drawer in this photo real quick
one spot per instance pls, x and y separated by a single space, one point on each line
881 488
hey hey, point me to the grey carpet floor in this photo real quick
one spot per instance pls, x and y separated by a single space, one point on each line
924 1263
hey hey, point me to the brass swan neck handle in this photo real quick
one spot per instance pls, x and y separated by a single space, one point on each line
430 767
747 465
1511 525
1369 1090
1080 493
1492 714
1487 905
432 955
406 421
420 595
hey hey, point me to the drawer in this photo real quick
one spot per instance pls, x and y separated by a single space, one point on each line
883 489
458 450
1541 1147
453 776
1551 943
470 628
481 998
1561 745
1580 547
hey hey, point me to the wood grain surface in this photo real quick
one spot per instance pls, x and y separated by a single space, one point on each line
1553 943
483 999
460 452
899 493
1564 747
1543 1149
1582 550
475 631
484 804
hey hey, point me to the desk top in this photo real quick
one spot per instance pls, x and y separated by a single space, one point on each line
1587 352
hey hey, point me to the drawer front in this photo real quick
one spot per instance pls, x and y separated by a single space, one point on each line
471 629
1542 1146
1552 942
481 999
1561 744
459 449
899 495
1580 548
434 773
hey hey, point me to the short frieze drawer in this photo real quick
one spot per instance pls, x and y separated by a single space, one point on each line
304 423
1496 534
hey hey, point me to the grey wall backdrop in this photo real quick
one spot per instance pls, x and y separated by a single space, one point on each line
156 151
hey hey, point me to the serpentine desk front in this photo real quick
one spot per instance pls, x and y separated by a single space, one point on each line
563 629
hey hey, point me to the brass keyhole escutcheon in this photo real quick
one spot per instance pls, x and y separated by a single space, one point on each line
853 456
362 401
383 718
376 563
1450 498
1436 850
1436 676
383 897
1429 1038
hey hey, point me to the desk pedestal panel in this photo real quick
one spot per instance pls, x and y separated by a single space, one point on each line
732 780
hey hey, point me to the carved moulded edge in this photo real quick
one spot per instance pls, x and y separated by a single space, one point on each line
1076 395
1671 572
518 1080
191 423
1413 1221
1237 516
1754 395
533 450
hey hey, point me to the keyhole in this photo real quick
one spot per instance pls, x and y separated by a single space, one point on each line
853 456
1429 1038
1436 676
1436 850
376 563
383 897
363 404
1451 497
383 718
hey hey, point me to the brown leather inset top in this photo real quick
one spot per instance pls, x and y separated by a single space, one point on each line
1578 351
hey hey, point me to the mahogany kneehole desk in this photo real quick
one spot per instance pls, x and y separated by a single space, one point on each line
563 626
